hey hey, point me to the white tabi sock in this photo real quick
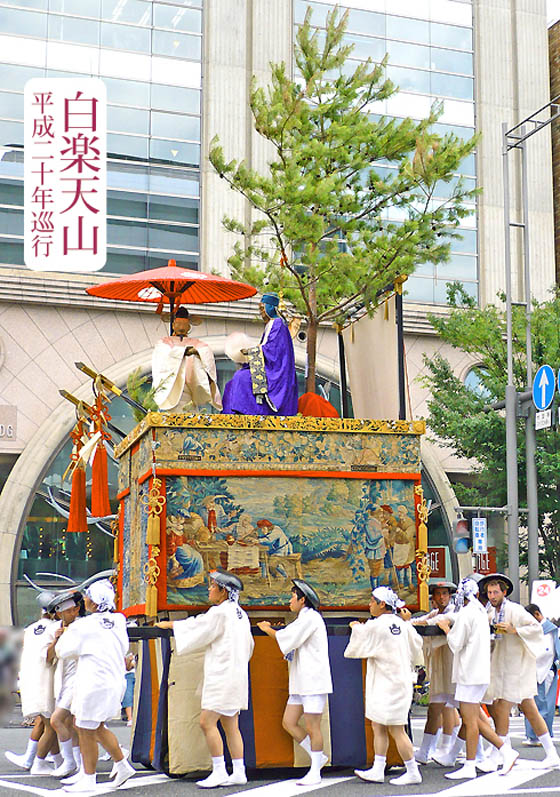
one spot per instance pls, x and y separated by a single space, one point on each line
218 764
480 755
446 742
30 751
411 766
435 742
238 766
306 744
316 761
506 740
457 747
66 751
547 743
455 731
58 759
88 780
77 755
379 763
428 742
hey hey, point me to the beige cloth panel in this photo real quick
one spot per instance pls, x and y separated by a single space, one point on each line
185 689
370 345
301 758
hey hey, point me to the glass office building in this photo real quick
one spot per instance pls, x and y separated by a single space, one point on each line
149 56
430 57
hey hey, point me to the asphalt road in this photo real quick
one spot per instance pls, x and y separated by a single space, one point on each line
522 780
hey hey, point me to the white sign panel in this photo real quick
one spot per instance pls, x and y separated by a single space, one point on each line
65 187
479 535
543 420
547 597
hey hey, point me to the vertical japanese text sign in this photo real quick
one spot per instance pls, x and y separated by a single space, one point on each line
65 187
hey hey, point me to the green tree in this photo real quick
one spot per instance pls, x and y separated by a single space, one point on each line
457 417
319 232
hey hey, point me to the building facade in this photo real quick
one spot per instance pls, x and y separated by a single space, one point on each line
177 74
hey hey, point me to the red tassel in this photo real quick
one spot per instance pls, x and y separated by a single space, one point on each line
100 505
77 519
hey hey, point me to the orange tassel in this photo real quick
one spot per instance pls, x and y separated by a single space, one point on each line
77 519
100 505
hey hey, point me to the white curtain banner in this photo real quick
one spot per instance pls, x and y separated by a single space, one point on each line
370 346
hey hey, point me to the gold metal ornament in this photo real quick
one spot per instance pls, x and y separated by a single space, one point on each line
151 573
154 502
422 565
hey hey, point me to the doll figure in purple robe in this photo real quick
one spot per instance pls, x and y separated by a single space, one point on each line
266 384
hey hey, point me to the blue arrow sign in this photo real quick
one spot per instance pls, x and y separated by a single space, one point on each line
544 385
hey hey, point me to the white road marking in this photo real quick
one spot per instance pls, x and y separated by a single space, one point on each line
288 788
495 783
23 787
101 788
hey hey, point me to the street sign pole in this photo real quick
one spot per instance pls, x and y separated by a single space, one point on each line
530 431
511 396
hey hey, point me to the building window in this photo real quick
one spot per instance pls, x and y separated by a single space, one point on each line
428 59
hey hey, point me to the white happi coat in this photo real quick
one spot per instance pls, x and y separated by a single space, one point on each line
179 380
392 648
64 675
36 675
469 640
438 656
224 633
513 670
99 642
306 638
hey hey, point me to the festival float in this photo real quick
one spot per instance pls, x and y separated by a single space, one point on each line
270 497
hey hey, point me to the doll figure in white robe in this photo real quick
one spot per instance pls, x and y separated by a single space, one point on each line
224 633
99 641
183 369
36 679
518 640
304 644
392 648
469 639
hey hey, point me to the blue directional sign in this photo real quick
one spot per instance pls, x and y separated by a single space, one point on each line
544 385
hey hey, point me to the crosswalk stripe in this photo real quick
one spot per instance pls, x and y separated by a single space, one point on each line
288 788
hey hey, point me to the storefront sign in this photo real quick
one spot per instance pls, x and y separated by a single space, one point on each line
436 560
65 185
485 562
8 423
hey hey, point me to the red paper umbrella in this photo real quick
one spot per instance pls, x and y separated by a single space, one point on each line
174 286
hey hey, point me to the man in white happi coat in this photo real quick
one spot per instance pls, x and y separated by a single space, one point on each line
36 680
304 643
224 633
392 648
183 369
99 641
469 639
517 642
438 659
68 608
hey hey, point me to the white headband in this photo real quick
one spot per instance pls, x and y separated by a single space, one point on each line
102 594
466 590
388 597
